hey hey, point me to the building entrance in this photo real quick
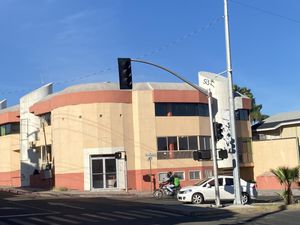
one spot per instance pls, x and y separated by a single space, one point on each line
103 172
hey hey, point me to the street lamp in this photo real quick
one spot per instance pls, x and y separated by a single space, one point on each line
236 169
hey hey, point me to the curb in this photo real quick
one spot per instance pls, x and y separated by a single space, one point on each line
74 195
229 210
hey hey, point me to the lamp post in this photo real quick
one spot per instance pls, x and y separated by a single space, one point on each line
234 148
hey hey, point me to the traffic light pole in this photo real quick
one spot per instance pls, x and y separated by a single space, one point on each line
214 155
213 149
234 148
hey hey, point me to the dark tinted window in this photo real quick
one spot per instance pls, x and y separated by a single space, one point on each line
220 181
183 143
10 128
229 181
162 144
242 114
181 109
193 143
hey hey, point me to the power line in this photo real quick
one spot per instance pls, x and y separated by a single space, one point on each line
180 39
266 11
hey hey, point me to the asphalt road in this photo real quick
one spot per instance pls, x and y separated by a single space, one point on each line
29 211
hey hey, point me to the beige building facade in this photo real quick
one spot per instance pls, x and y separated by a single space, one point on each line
82 128
276 144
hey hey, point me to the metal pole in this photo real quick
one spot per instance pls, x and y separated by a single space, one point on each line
213 149
236 171
126 172
150 159
170 71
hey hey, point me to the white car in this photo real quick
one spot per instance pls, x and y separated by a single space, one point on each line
204 190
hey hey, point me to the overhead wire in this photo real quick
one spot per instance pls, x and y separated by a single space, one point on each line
265 11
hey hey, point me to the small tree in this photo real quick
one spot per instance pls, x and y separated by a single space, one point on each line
255 113
287 176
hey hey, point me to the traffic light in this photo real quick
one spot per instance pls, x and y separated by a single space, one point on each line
202 154
223 154
232 145
218 131
125 74
118 155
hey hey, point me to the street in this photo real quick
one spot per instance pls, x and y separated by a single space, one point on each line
26 210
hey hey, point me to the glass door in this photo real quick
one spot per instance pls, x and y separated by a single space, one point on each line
104 172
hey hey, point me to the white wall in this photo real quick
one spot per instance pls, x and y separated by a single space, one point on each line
29 127
218 86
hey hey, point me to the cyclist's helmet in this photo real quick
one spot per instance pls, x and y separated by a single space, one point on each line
169 174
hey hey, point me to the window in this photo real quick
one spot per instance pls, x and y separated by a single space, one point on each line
208 173
175 147
229 181
172 143
180 175
205 142
195 175
162 176
9 128
46 118
193 143
162 144
242 114
183 143
181 109
212 182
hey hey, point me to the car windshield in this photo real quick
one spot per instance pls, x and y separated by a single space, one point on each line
201 182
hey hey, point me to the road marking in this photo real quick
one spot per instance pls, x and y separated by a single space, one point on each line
8 208
99 217
132 214
163 212
62 219
82 218
64 205
118 216
43 221
18 221
28 214
148 213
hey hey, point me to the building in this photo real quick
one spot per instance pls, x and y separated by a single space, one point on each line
9 146
276 143
69 139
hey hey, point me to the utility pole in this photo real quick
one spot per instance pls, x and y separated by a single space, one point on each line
213 149
234 148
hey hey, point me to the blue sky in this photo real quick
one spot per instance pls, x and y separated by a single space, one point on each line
78 41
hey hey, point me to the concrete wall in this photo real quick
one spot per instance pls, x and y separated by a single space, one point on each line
86 126
9 160
29 127
272 154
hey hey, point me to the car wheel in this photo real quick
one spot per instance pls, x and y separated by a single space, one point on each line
197 198
158 194
245 198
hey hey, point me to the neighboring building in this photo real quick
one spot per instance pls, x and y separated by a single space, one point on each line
9 146
276 143
78 131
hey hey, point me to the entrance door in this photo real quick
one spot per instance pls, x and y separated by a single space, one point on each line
104 172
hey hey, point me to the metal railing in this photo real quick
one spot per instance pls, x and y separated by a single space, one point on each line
176 154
